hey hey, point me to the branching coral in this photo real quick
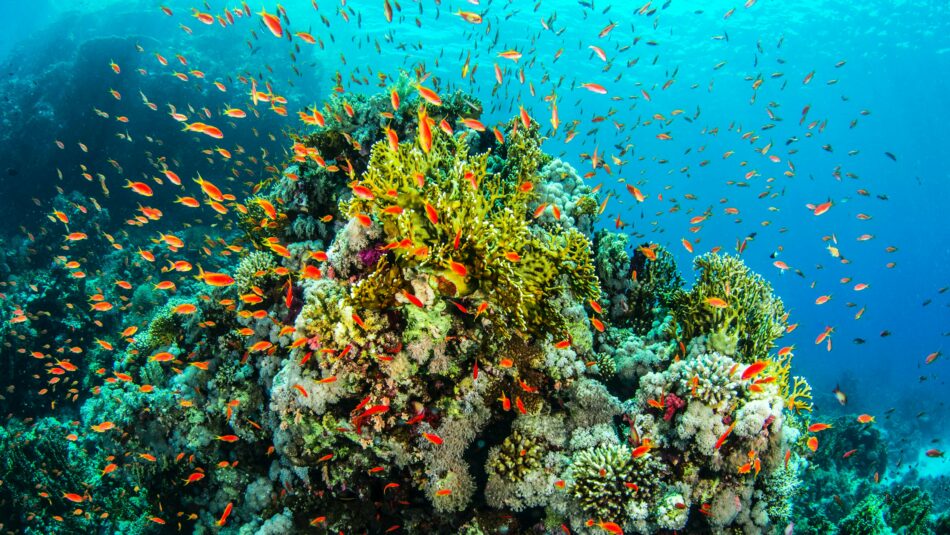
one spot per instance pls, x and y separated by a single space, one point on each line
750 311
798 398
607 478
254 269
656 284
515 457
523 469
707 378
444 215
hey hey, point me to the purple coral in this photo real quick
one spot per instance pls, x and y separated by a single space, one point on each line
672 403
369 256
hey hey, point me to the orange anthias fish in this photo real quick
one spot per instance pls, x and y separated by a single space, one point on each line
433 438
272 22
214 279
717 302
724 436
224 515
610 527
753 369
468 16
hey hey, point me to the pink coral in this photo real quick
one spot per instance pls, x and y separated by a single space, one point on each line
672 403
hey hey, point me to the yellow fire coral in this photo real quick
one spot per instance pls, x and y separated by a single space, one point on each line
442 213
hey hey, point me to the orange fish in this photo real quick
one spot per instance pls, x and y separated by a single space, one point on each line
272 22
433 438
610 527
429 95
412 299
468 16
474 124
224 515
594 88
214 279
722 438
263 345
458 269
754 369
139 187
597 324
822 208
185 308
642 449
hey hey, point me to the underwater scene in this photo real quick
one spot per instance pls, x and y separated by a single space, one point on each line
474 267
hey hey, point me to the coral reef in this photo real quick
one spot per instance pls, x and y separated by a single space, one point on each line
421 333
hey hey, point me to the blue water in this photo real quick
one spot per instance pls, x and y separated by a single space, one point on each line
892 81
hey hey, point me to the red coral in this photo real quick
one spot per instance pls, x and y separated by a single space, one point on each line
672 403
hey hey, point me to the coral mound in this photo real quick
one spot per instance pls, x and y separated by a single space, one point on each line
427 335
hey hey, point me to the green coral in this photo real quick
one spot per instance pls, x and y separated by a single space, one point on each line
866 518
515 457
378 289
344 137
330 316
603 477
605 364
426 202
752 313
612 261
256 268
909 511
672 511
164 329
781 486
655 287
